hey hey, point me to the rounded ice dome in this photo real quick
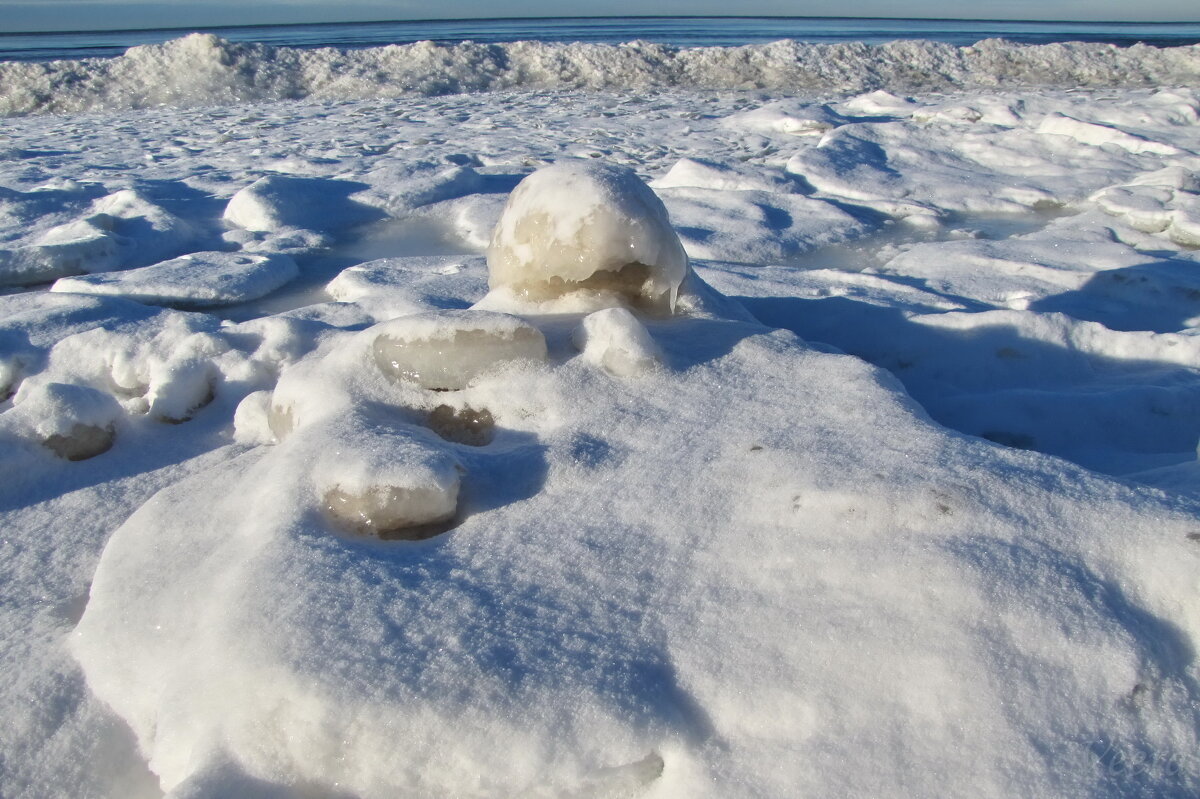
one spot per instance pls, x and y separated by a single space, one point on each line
586 226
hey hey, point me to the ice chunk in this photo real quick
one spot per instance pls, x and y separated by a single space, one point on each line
446 350
579 225
198 279
617 341
465 425
383 490
74 422
392 287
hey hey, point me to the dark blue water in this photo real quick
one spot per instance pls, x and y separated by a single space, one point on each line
680 31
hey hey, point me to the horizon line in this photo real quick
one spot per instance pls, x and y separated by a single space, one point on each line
207 28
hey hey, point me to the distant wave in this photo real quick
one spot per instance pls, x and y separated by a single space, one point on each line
202 69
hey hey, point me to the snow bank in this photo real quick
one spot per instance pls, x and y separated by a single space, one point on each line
1019 604
122 230
588 228
202 69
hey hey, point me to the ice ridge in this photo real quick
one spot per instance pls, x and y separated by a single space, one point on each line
203 69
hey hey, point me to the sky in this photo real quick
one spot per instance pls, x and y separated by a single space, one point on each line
47 15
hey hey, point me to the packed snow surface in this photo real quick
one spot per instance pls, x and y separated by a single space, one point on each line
900 498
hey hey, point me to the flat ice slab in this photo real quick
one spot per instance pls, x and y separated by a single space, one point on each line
199 279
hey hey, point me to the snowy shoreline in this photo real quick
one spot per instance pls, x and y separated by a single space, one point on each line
203 69
907 499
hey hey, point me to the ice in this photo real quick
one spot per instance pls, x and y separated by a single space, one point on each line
783 116
197 279
446 351
466 425
391 490
615 340
72 421
586 227
391 287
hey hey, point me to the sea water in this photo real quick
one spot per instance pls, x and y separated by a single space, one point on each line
678 31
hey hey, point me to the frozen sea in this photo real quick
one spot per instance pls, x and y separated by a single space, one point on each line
811 411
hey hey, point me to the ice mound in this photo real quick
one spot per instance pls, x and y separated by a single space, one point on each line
397 488
72 421
615 340
757 227
198 279
791 117
281 202
446 350
584 227
1165 201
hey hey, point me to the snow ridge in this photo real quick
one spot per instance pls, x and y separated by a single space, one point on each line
203 69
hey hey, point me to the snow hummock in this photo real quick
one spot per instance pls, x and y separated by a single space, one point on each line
72 421
589 228
614 339
196 279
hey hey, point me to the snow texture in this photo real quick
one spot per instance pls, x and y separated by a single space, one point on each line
901 499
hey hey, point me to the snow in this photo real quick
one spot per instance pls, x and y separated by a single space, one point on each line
328 466
196 279
615 340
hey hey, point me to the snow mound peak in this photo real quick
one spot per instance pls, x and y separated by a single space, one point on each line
583 227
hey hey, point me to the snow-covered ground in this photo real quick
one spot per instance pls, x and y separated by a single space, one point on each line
888 487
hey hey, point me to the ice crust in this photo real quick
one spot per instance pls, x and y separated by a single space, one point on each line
582 226
903 497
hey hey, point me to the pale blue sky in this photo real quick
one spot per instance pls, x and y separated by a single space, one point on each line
22 15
